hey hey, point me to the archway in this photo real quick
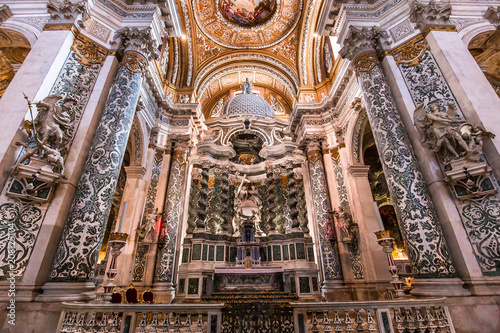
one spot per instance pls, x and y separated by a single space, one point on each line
485 48
14 48
382 197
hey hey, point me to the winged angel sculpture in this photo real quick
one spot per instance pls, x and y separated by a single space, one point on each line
49 128
448 136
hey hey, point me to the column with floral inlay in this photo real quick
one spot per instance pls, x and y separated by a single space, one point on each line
330 260
167 243
75 261
426 246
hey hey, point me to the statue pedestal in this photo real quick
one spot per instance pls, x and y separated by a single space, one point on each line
34 182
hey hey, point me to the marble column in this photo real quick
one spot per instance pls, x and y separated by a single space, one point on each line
76 257
34 78
167 245
480 103
327 239
426 246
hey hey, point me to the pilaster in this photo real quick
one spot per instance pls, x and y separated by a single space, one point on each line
327 239
428 253
168 243
76 256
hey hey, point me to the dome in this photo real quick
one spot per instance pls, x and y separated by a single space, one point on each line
248 104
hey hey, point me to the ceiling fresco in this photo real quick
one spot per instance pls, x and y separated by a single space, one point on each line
247 13
270 42
230 23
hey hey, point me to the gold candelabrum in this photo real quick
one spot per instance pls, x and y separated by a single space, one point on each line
116 242
385 240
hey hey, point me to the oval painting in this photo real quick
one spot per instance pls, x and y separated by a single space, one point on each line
247 13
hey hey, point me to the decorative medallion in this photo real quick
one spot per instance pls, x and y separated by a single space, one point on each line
247 24
247 13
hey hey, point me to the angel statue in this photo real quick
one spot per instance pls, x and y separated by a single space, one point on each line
49 127
438 127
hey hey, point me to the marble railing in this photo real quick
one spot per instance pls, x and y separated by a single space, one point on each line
140 318
399 316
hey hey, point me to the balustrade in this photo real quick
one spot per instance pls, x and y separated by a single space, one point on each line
409 316
139 318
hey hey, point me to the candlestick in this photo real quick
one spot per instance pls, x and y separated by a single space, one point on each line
385 240
122 217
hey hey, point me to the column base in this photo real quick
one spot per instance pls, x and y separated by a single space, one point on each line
439 287
67 291
335 290
24 293
483 286
164 292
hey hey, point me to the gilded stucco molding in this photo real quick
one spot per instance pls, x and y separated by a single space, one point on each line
87 52
411 52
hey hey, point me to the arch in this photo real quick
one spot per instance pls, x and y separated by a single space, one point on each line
28 31
257 131
14 48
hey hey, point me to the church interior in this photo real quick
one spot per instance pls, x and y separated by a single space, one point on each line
249 166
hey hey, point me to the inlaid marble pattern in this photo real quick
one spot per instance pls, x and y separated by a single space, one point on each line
481 219
354 256
77 253
22 222
427 249
140 263
329 254
74 80
166 255
141 251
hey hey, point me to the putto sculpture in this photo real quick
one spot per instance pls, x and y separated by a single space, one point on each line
447 135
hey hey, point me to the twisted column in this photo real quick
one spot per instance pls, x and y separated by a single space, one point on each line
421 230
76 257
225 201
326 233
272 199
203 201
193 199
292 197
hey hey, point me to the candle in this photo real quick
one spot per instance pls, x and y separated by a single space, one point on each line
122 217
379 218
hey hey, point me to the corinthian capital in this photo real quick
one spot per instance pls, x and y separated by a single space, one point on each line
493 15
431 16
362 40
66 11
138 41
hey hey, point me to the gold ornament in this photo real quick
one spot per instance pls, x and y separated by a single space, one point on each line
411 52
87 52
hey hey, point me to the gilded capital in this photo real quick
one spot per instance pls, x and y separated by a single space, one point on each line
138 41
360 41
134 62
431 16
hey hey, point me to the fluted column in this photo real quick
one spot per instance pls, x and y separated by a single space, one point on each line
326 234
419 224
76 257
167 245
